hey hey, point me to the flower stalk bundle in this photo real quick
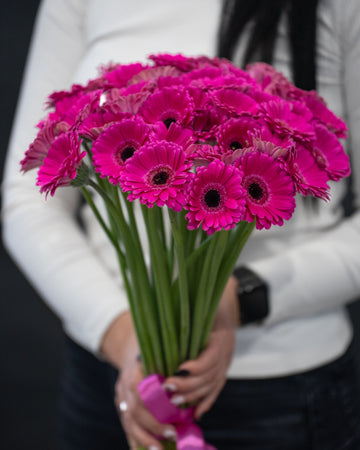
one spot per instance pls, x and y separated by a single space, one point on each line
198 151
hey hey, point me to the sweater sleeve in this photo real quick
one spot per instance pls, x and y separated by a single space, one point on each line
324 273
72 37
43 237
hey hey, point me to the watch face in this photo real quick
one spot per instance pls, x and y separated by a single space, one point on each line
253 296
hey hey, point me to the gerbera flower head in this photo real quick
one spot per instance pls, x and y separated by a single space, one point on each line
116 102
181 62
168 105
215 198
271 81
206 122
61 163
323 114
308 177
276 146
329 154
116 145
203 154
119 75
153 73
207 72
236 133
282 119
234 102
269 190
175 133
157 174
38 149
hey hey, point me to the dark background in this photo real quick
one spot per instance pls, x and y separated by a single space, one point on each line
31 340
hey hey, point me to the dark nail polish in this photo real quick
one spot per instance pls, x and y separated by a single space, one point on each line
138 358
182 373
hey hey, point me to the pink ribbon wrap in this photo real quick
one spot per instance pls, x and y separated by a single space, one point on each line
157 401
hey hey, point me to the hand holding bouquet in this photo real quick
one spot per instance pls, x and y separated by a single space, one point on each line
200 151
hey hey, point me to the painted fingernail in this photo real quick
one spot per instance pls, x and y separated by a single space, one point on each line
169 434
153 447
178 400
182 373
169 387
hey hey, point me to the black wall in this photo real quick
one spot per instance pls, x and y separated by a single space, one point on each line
31 340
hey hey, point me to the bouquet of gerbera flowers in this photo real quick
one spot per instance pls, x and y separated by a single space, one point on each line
201 152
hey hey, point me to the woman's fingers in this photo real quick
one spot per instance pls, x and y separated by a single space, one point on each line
193 396
139 424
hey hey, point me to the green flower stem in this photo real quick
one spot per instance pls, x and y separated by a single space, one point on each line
163 292
142 313
202 311
171 255
197 320
197 252
111 235
160 225
87 145
217 261
183 287
191 238
132 220
92 205
236 243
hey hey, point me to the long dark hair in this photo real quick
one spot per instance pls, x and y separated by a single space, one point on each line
265 14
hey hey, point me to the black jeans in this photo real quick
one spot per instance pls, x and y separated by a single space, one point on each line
316 410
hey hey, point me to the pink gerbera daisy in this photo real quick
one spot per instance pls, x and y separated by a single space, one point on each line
116 102
269 190
38 149
117 144
281 118
95 123
308 177
234 102
322 113
203 154
175 133
82 107
329 154
206 122
277 147
60 165
216 198
168 105
120 75
157 174
181 62
236 133
153 73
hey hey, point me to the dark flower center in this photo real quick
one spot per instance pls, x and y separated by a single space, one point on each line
235 145
212 198
160 177
127 153
169 121
255 191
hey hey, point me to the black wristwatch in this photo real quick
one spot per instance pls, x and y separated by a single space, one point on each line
253 296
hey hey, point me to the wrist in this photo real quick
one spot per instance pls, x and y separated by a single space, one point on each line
119 341
228 313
